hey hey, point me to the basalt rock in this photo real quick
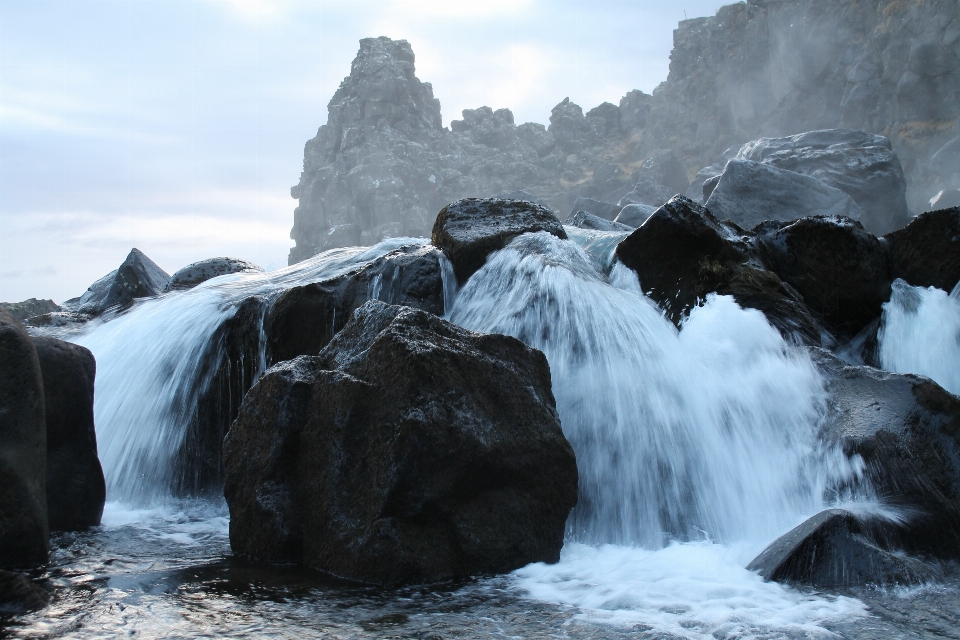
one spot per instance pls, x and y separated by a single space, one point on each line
29 308
197 272
24 529
409 450
836 548
906 428
926 253
76 490
749 193
137 277
841 271
471 229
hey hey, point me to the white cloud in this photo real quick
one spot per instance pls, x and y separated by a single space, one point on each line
459 8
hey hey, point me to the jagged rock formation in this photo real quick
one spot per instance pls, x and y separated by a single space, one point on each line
383 165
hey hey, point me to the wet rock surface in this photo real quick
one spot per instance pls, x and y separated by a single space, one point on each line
137 277
409 450
471 229
926 253
23 450
197 272
29 308
76 490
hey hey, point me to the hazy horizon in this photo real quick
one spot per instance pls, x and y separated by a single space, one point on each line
177 126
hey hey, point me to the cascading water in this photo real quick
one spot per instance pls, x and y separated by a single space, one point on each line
920 333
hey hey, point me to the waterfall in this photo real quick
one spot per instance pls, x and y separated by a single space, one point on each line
920 333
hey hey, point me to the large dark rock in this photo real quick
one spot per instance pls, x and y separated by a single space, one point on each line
197 272
835 548
841 271
860 164
471 229
29 308
24 530
409 450
906 428
926 253
749 193
137 277
76 489
19 594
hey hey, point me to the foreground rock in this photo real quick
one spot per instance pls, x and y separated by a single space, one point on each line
23 450
409 450
841 270
76 490
19 594
907 430
833 549
29 308
926 253
749 193
471 229
137 277
197 272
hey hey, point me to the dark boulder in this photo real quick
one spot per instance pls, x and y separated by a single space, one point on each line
137 277
409 450
906 429
749 193
833 549
584 220
197 272
634 215
24 530
19 594
29 308
841 271
469 230
600 209
926 253
76 489
860 164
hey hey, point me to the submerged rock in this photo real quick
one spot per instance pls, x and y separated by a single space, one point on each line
197 272
471 229
29 308
19 594
76 489
137 277
835 549
409 450
749 193
840 270
906 429
926 253
23 450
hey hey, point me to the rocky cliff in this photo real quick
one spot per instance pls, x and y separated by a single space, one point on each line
383 165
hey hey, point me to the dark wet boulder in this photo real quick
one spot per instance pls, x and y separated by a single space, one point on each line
409 450
29 308
304 319
197 272
926 253
76 489
906 429
836 548
469 230
24 528
860 164
19 594
634 215
137 277
841 271
605 210
749 193
584 220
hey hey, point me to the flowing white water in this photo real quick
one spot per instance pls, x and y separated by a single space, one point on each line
151 363
920 333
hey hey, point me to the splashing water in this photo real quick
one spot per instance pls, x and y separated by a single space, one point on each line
920 333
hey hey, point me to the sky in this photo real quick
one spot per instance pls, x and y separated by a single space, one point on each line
177 126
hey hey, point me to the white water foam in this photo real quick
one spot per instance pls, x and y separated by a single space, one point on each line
920 333
185 522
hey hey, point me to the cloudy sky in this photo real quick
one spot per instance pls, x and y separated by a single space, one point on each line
177 126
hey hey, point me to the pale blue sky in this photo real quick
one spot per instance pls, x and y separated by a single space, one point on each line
177 126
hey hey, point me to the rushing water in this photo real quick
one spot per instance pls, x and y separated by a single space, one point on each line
695 448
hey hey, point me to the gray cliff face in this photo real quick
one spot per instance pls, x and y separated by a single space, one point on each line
383 165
